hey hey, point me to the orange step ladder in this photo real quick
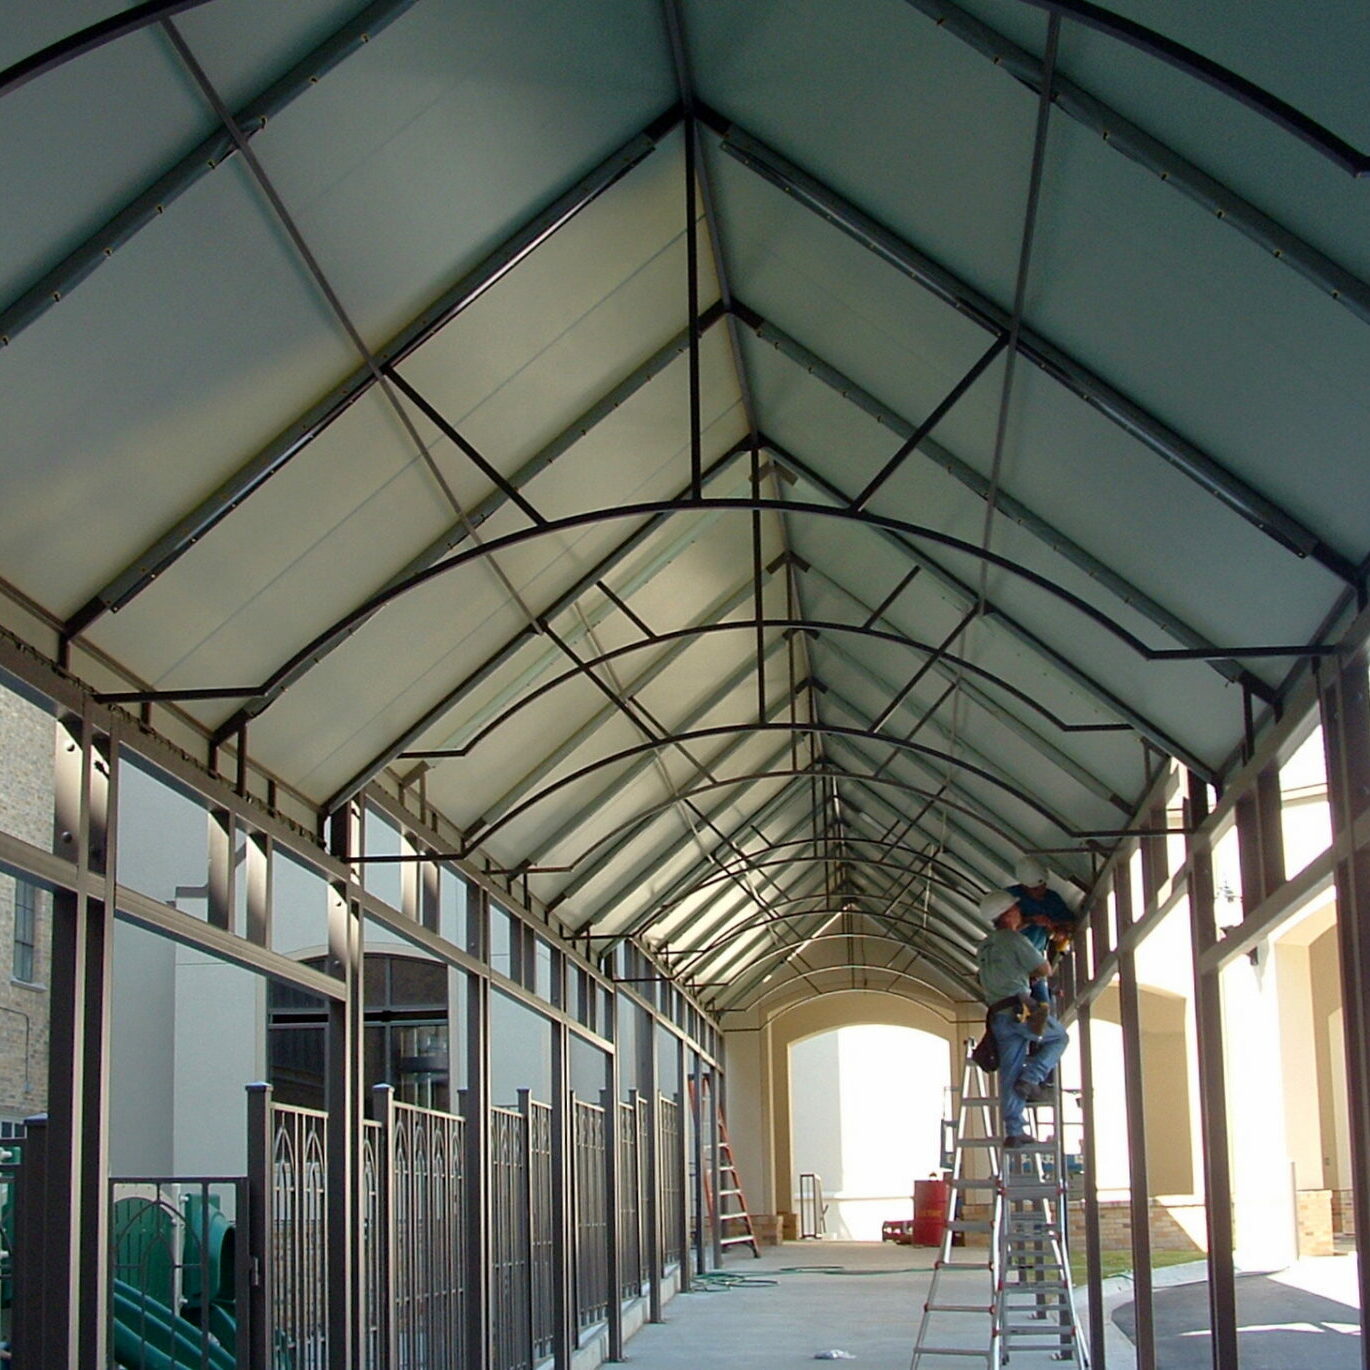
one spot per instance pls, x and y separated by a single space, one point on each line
728 1211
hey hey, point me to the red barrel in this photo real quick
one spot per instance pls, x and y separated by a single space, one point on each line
931 1199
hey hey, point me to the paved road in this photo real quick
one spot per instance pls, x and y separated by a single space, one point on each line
1281 1327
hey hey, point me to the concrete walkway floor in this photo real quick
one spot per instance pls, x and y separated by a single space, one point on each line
868 1304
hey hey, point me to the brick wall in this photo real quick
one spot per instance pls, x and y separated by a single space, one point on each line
1174 1227
26 764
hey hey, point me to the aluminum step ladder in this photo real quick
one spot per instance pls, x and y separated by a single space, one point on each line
1010 1300
959 1322
1035 1302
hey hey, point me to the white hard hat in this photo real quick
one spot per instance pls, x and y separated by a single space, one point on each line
997 903
1030 871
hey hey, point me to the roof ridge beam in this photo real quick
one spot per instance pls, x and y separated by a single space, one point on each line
287 444
1004 503
1205 470
1134 143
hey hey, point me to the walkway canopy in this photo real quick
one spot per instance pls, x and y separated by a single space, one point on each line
749 470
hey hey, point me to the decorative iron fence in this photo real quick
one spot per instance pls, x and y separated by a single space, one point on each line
421 1235
375 1305
298 1239
589 1145
510 1266
178 1290
541 1231
672 1180
631 1163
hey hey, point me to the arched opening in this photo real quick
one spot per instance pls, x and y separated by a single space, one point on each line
866 1104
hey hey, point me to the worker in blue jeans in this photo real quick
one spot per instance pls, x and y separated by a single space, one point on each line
1008 963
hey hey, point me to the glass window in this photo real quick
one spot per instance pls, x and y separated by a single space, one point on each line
25 931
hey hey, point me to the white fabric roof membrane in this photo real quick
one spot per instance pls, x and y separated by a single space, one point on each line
348 364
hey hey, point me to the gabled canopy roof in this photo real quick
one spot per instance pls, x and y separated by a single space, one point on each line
761 465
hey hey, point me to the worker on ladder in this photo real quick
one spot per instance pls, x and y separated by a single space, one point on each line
1007 964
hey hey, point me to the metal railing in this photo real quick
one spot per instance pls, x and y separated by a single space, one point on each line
672 1180
630 1167
511 1289
297 1239
421 1234
591 1209
541 1229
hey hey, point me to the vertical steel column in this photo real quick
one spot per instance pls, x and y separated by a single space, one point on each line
563 1236
28 1287
1140 1199
222 873
383 1111
613 1303
697 1141
1208 1027
76 1221
1343 691
260 1209
650 1087
345 1259
476 1111
681 1161
1093 1241
1260 838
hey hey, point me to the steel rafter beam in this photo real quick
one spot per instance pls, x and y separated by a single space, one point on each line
1169 623
1043 746
659 860
1256 98
870 784
59 280
650 511
1133 142
816 729
90 38
944 734
1087 386
966 595
656 518
719 914
587 810
610 846
287 444
461 531
666 658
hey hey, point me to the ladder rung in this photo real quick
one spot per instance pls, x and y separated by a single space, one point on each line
733 1241
991 1182
963 1265
987 1309
981 1099
951 1351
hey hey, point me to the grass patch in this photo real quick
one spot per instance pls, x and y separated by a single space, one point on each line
1120 1262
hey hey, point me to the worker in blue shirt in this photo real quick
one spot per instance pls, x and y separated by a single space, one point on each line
1046 916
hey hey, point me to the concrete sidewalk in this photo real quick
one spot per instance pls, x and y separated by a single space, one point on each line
869 1306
